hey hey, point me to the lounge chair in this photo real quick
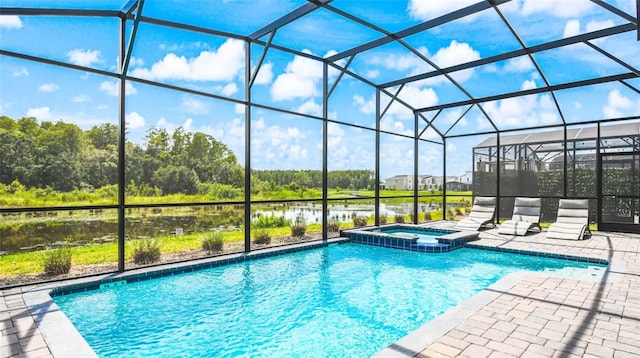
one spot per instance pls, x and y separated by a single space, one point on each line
572 222
481 214
526 215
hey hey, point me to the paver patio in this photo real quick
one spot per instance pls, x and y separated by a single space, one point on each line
538 316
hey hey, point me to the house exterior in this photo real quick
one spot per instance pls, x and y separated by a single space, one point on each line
429 182
399 182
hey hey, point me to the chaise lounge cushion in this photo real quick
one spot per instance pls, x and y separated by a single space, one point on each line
526 215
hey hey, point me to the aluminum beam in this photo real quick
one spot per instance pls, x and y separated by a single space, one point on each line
594 81
517 53
469 10
288 18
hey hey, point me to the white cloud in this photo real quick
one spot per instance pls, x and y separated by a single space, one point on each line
112 88
571 28
523 111
415 97
134 120
455 53
82 57
223 64
21 72
427 9
48 87
239 108
334 135
301 79
230 89
265 75
310 107
366 107
81 98
618 105
562 8
40 113
519 64
10 22
372 74
599 25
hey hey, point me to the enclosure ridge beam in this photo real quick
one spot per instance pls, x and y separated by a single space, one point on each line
563 86
342 71
516 53
532 59
613 58
616 11
254 75
458 14
58 12
177 25
288 18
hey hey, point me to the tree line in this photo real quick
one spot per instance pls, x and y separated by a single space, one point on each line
62 157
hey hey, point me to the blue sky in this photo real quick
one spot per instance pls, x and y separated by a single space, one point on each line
216 65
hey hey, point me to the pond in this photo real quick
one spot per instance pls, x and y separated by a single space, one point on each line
26 232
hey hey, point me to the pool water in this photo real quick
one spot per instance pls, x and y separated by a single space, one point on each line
346 300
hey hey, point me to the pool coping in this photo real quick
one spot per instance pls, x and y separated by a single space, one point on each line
64 340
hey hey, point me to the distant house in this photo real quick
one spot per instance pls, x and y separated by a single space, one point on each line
429 182
399 182
455 185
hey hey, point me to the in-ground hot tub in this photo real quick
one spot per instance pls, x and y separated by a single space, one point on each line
411 237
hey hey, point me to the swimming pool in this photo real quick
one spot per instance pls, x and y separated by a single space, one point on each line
337 301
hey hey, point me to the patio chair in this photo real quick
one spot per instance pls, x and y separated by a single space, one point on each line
481 214
572 222
526 215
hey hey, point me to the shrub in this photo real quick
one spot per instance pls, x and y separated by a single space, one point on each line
450 214
333 225
427 216
383 219
57 262
267 221
359 221
213 242
261 236
146 251
298 228
400 219
458 212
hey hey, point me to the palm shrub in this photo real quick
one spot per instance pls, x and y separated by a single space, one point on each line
400 219
261 236
57 262
213 242
359 221
383 219
298 228
427 216
146 251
